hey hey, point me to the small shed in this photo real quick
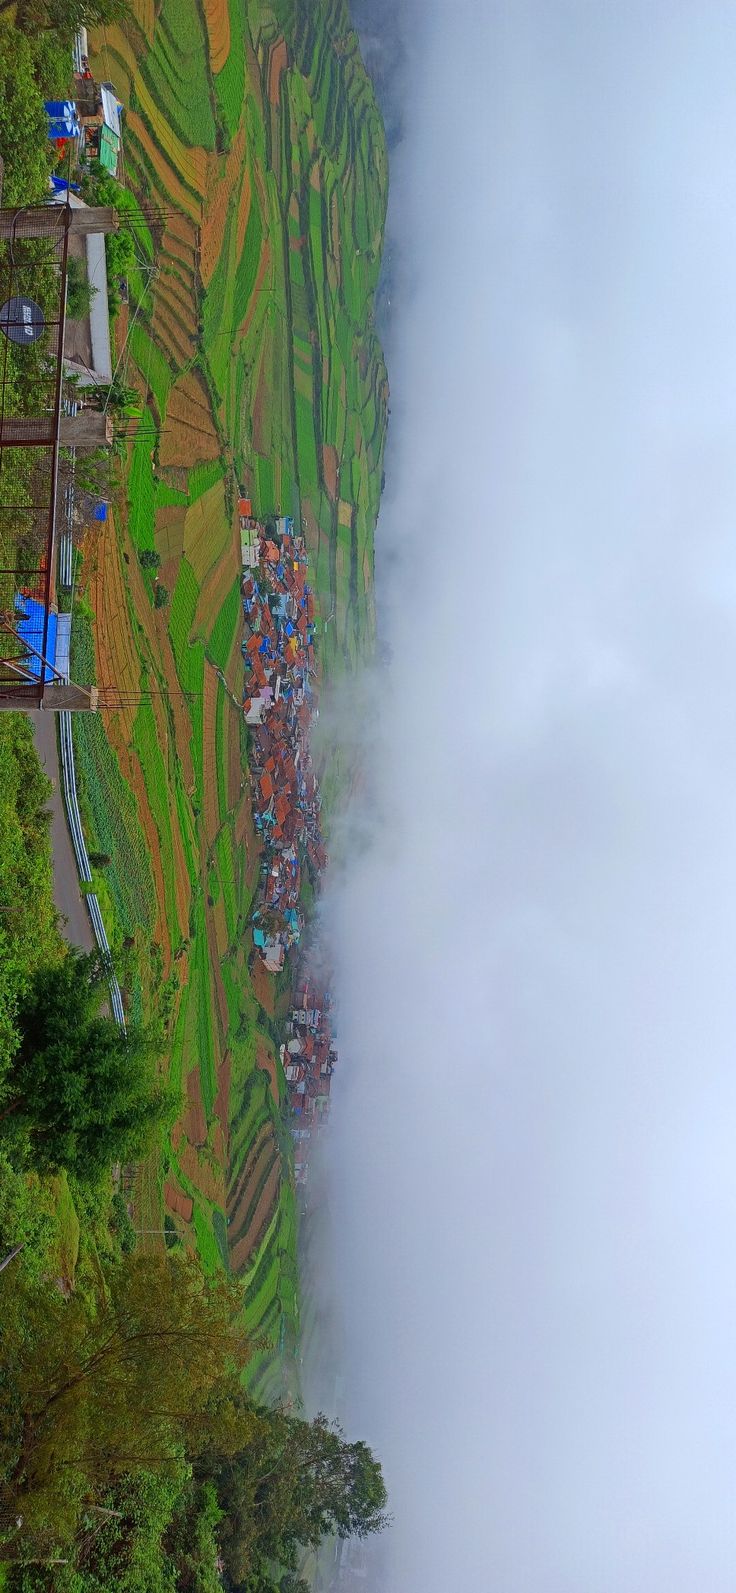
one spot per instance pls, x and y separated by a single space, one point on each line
99 111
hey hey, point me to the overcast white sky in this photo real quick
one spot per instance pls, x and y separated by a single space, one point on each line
534 1132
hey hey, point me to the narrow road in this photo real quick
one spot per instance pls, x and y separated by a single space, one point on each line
66 879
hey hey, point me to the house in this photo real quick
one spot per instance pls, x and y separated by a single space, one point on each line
99 111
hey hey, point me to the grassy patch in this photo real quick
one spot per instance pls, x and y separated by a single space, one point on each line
222 634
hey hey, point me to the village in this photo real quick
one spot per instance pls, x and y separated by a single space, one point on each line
279 704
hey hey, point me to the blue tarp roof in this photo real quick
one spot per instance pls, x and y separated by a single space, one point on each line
30 631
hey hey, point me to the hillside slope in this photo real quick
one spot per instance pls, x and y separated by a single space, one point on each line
255 153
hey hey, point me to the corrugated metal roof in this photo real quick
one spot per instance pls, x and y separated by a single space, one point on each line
111 108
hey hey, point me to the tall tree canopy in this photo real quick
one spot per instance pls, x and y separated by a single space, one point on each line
65 16
98 1399
84 1089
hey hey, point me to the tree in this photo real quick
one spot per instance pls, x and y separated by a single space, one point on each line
161 597
149 559
295 1483
66 16
84 1089
24 140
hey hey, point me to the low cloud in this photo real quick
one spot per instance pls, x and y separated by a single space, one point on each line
531 1158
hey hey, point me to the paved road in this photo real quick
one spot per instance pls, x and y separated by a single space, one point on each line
66 881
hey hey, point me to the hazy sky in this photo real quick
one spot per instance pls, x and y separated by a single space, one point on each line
534 1132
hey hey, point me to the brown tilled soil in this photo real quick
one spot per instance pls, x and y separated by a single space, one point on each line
218 204
329 467
217 18
200 1172
222 1098
170 531
260 1221
193 1120
181 1205
263 986
278 63
189 436
144 12
264 1137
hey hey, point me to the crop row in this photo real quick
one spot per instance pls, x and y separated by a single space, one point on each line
230 82
153 366
118 831
181 615
141 489
176 72
226 871
148 747
204 476
223 631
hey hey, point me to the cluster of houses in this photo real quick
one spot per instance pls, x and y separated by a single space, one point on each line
279 705
309 1055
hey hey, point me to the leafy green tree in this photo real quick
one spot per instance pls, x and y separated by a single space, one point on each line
161 596
24 141
149 559
295 1483
137 1378
66 16
29 931
84 1089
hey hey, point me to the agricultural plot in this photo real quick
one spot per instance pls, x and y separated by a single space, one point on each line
222 634
228 62
253 138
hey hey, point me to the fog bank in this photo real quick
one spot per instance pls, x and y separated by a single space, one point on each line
533 1182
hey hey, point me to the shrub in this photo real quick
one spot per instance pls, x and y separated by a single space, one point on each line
121 1225
79 291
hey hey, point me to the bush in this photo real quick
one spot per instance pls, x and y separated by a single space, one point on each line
79 291
122 1226
161 597
171 1233
24 140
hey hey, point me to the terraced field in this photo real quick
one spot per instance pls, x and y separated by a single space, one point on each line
256 156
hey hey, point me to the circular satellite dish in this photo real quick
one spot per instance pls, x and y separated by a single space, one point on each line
22 319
